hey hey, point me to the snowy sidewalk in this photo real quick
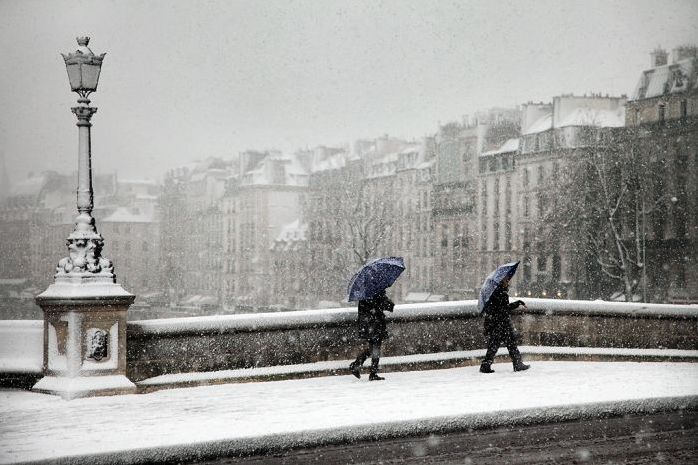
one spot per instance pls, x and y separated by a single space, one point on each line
243 418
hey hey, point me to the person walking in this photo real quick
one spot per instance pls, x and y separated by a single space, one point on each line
497 309
372 329
368 287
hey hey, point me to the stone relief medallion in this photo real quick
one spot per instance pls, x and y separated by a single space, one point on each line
97 344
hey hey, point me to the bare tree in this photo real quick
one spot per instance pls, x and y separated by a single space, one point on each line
601 201
369 222
351 222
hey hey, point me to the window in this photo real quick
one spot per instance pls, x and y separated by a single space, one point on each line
541 264
525 177
495 234
541 175
507 235
661 112
526 206
526 270
525 241
496 197
684 108
557 267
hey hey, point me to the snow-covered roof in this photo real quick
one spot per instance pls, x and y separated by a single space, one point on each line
511 145
543 123
126 215
595 117
667 79
333 162
581 116
382 165
294 174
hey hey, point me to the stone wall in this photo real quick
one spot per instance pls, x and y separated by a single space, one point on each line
182 345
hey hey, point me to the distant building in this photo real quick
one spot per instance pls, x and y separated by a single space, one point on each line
291 285
258 203
498 189
192 232
132 237
36 216
662 116
455 197
335 177
552 134
666 91
412 236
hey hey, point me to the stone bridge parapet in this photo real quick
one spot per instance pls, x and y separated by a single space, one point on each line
214 343
183 345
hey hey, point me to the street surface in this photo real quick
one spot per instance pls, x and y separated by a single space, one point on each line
244 419
666 438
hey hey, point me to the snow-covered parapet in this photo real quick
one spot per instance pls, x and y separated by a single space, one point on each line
298 319
245 322
21 346
405 312
603 308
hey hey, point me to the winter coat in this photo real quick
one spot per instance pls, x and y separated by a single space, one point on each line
371 320
498 313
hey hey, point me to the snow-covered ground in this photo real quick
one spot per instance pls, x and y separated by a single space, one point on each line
234 418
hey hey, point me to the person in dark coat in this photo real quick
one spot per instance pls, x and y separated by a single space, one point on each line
371 328
499 330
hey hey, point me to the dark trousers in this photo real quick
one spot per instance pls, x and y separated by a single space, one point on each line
501 333
371 349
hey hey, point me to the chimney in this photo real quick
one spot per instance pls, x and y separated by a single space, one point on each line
659 57
682 52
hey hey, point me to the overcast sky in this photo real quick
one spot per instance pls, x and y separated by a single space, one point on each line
187 80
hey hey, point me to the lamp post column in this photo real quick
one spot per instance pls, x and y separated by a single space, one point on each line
85 310
85 194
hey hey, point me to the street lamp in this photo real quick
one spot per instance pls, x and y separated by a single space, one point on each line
84 243
85 310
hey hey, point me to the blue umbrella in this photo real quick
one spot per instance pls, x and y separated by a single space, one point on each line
375 277
493 281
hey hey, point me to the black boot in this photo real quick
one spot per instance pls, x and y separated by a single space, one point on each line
355 369
486 369
374 371
521 366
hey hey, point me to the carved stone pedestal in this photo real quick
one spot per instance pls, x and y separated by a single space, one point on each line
84 338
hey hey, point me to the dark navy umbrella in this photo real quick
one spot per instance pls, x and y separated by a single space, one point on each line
375 277
492 282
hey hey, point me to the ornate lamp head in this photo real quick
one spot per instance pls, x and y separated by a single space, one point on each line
83 68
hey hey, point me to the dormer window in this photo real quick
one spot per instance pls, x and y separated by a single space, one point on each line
678 78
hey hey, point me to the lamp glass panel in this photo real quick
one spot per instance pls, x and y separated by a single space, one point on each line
74 76
90 76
